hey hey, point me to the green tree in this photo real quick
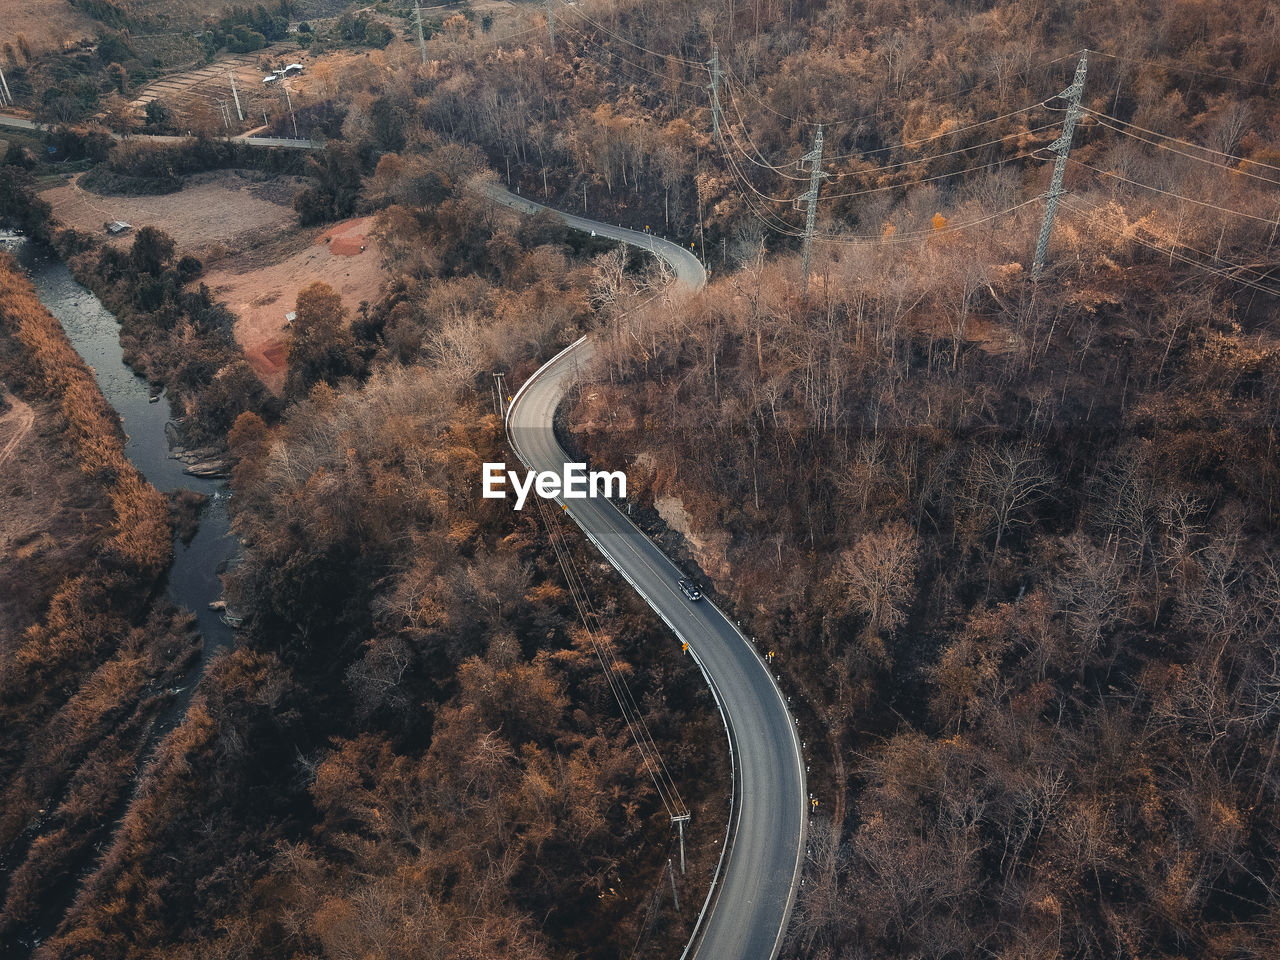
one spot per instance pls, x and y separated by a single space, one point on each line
119 78
158 115
321 348
152 251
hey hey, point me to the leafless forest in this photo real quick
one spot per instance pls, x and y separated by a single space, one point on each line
1013 538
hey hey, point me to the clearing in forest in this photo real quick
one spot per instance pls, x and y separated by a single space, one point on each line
260 293
224 207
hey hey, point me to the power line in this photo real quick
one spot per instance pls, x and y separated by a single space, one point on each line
654 899
747 134
575 589
1225 274
941 176
931 232
1103 118
938 136
1170 193
577 9
769 219
782 171
1204 253
772 222
511 36
949 153
1185 143
1166 65
645 743
908 144
884 110
653 73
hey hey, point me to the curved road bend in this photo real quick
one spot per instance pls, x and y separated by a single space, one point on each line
751 903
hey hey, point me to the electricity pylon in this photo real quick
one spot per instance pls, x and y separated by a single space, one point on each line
1062 147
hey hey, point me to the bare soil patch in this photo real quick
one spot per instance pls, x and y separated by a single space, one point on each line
225 207
261 286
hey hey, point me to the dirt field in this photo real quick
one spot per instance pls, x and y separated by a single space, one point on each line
212 83
226 207
260 293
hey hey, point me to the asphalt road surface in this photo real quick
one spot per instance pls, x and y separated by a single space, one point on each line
751 903
289 144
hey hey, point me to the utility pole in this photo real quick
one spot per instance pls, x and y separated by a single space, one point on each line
551 22
714 88
422 41
499 390
814 159
680 821
226 117
1062 147
236 94
289 100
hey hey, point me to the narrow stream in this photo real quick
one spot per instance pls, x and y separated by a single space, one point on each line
95 334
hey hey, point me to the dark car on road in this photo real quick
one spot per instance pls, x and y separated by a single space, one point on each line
691 589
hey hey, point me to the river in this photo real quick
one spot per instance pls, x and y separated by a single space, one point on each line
94 332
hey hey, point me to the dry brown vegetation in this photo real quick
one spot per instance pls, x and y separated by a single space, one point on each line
85 680
141 528
1031 593
1014 541
412 742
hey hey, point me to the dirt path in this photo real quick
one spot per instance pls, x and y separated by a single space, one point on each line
19 419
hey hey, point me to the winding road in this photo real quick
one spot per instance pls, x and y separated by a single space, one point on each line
746 912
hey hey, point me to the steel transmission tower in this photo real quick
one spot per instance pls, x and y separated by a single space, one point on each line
814 160
422 41
1062 147
236 95
714 88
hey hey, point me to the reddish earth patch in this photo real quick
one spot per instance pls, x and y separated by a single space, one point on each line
347 239
276 354
261 294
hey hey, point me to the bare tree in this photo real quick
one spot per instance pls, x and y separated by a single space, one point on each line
879 574
1005 482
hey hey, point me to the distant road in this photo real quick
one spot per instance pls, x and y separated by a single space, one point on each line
288 144
750 905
